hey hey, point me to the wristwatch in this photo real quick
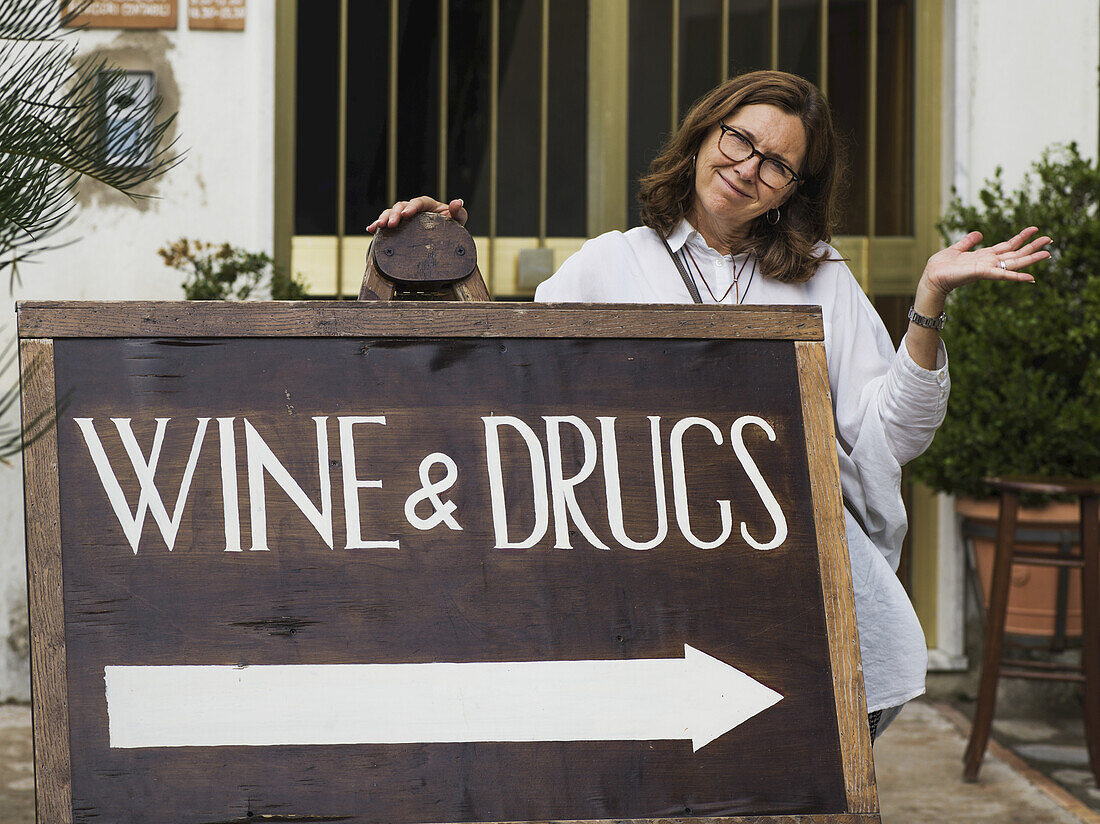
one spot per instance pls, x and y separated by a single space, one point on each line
926 322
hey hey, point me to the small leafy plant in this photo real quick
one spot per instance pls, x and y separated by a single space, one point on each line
1025 359
225 272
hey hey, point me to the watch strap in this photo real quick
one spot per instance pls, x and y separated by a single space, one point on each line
925 321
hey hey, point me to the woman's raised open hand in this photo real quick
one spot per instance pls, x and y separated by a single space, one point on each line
391 218
960 263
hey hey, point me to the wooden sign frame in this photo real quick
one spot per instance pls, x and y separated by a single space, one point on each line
42 322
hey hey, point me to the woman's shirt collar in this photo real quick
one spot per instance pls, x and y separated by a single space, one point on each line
678 236
685 233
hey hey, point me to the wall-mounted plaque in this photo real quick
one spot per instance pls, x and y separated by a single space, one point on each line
430 562
224 15
126 14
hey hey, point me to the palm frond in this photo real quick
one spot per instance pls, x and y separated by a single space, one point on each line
38 19
63 119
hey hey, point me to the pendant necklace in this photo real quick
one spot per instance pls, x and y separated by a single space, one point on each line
736 277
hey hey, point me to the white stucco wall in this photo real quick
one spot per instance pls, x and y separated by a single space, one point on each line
222 84
1025 77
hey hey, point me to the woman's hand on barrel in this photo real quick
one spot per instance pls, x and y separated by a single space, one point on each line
391 218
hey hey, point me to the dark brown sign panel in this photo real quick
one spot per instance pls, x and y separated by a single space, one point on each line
125 14
411 564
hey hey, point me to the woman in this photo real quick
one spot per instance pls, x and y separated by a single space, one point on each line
741 203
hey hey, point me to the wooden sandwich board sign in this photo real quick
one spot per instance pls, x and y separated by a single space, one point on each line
421 562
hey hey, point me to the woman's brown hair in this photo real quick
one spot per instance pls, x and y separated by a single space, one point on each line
785 250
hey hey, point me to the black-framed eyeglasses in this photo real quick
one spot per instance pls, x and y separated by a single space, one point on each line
775 174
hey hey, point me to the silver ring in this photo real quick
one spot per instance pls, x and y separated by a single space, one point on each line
1001 263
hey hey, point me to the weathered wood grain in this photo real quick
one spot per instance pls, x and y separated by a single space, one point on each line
421 319
836 818
374 287
428 248
378 287
836 579
49 681
472 287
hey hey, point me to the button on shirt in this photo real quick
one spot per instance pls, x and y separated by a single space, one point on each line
886 407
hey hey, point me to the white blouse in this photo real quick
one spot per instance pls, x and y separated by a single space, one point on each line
887 410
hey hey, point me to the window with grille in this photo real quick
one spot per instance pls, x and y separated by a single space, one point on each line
542 115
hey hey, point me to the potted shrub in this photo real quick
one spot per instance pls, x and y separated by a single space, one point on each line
1025 366
221 271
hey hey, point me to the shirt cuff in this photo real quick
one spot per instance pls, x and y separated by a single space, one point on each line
938 375
915 394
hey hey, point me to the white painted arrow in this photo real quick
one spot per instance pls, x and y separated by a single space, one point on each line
696 697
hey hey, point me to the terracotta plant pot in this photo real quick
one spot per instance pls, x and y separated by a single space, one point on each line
1033 597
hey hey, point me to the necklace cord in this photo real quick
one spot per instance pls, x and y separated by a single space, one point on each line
736 276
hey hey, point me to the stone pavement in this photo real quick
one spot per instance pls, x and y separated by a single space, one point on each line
918 762
1039 722
1052 742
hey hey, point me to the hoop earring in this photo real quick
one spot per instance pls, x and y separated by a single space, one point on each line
768 216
